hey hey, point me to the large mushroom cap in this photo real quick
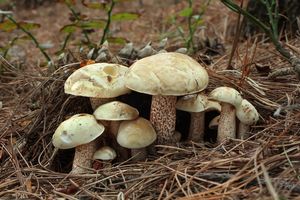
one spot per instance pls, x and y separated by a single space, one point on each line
77 130
247 113
172 74
116 111
100 80
105 153
136 134
226 95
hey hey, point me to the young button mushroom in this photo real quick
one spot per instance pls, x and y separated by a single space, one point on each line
105 153
248 115
102 82
114 112
136 135
165 76
214 123
79 131
229 98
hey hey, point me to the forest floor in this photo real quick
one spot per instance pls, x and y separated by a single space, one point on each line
264 166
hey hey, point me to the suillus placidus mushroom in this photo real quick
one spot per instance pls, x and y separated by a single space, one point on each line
229 98
166 76
79 132
247 115
112 114
136 135
102 82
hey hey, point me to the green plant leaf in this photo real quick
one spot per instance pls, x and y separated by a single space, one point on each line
70 28
116 40
9 26
124 16
186 12
93 24
92 5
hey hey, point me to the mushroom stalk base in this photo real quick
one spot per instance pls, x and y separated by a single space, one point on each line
227 123
138 154
163 118
196 132
83 157
243 131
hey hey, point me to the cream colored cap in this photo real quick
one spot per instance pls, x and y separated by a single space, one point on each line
192 103
101 80
226 95
77 130
115 111
214 123
105 153
167 74
197 103
136 134
247 113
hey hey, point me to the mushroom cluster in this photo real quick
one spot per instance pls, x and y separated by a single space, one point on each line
116 128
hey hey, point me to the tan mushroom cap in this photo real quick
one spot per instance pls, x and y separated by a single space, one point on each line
247 113
192 103
136 134
167 74
105 153
78 130
116 111
197 103
226 95
100 80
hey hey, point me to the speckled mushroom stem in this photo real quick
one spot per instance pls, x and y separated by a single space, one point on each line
96 102
83 157
243 130
227 122
138 154
196 132
163 118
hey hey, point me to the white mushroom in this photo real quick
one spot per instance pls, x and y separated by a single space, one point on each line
165 76
102 82
136 135
248 115
105 153
229 98
114 112
79 131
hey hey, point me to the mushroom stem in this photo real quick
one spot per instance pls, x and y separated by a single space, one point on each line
138 154
96 102
227 122
243 131
83 157
163 118
196 132
114 127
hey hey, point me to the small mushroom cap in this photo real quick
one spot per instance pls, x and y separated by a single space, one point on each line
136 134
213 105
77 130
116 111
105 153
197 103
226 95
167 74
192 103
247 113
101 80
214 123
